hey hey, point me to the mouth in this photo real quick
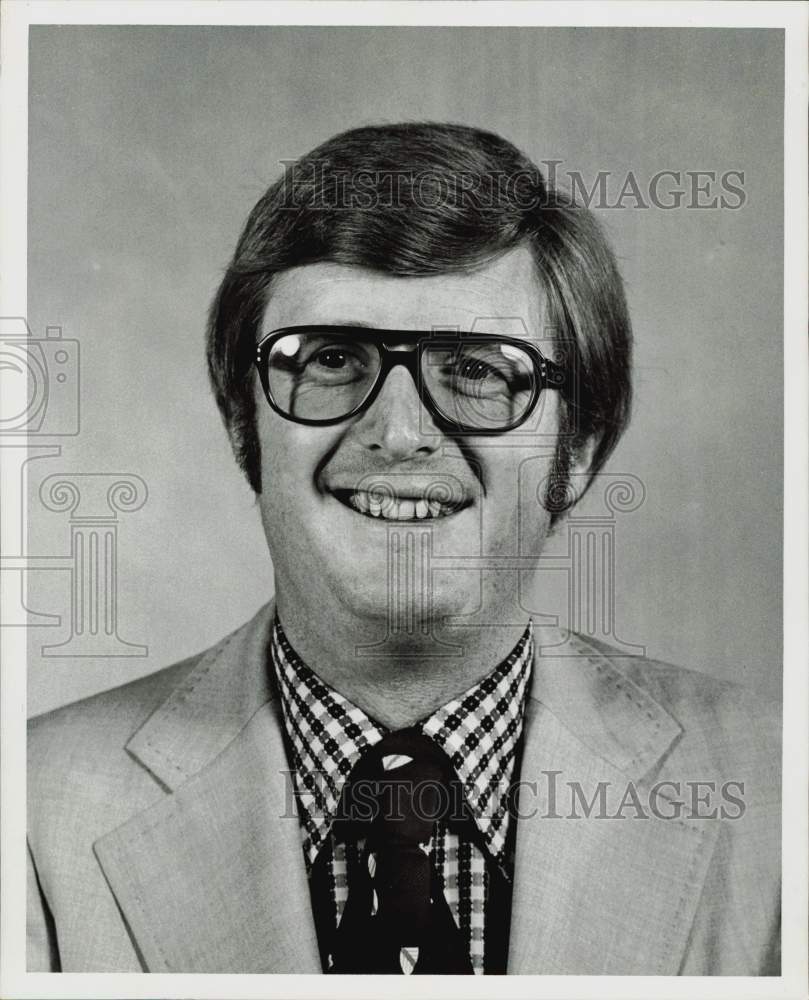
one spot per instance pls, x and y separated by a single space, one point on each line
384 505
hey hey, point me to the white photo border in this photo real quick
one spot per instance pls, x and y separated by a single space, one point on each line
17 16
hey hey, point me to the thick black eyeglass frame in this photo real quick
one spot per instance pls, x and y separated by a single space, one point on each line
548 375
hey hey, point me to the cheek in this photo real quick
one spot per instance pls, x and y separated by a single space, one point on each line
283 448
282 474
514 517
291 457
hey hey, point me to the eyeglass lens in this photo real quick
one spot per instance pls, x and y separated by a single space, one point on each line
317 375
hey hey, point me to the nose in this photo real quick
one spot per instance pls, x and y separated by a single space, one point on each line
397 426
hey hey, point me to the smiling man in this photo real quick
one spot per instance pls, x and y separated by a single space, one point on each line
330 492
421 355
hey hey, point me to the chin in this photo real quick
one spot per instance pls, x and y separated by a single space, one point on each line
407 606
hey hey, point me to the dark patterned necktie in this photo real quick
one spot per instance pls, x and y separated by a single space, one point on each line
396 918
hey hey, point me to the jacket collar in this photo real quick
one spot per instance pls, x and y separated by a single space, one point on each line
212 877
598 702
587 691
211 707
616 893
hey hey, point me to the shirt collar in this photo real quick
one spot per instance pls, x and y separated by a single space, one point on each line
479 731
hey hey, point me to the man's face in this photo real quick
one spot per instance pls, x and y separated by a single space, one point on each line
327 546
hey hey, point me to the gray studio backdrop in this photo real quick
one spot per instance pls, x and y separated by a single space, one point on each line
147 148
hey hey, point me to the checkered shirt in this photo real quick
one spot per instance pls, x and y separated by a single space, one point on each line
479 731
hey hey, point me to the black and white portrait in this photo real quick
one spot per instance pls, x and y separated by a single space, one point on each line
396 498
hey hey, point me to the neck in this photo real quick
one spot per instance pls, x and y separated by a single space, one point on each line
395 678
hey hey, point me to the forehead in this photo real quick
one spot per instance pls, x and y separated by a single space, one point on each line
502 297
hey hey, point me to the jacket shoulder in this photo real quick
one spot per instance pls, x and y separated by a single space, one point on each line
77 757
88 723
727 728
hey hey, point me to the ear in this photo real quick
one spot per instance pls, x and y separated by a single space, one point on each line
581 461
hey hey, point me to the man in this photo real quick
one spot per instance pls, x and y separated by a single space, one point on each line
421 355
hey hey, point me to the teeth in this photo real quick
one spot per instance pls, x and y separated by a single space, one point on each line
389 509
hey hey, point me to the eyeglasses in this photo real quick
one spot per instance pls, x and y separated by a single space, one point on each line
469 383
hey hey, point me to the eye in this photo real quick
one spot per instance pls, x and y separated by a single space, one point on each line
332 357
476 370
475 374
334 363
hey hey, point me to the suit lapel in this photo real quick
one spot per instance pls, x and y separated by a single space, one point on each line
599 895
211 879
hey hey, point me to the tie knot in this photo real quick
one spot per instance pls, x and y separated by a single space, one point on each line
400 787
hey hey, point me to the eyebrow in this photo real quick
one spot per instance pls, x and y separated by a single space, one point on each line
399 336
365 325
344 322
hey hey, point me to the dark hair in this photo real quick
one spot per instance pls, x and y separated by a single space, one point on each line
418 199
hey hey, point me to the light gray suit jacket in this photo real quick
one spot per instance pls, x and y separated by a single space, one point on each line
162 836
